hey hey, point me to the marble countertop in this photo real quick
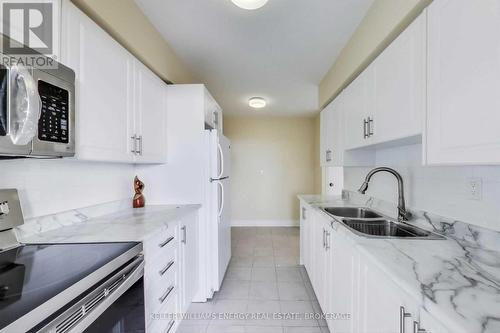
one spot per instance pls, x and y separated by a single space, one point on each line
457 280
86 225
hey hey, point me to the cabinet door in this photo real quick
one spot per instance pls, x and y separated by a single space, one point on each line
463 80
189 255
321 283
316 249
344 284
324 146
213 112
103 87
357 98
150 115
303 234
399 82
326 306
331 134
383 306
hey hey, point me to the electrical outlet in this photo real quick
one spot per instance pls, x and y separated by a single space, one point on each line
475 188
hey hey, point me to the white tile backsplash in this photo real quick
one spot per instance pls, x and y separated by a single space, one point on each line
51 186
438 189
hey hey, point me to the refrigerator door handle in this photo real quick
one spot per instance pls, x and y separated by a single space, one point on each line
221 156
221 203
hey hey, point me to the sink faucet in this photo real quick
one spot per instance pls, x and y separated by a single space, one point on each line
403 215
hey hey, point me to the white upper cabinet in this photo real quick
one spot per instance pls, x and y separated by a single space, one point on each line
104 84
399 86
386 102
331 134
120 104
213 112
150 116
357 97
463 82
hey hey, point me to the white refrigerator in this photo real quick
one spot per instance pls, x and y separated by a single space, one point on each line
219 207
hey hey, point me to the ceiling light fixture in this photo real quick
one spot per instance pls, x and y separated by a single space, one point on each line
257 102
249 4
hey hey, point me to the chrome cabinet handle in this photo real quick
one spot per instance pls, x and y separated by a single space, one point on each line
303 213
165 295
184 235
402 316
169 239
166 268
365 128
328 155
324 241
134 144
370 126
139 138
169 326
416 328
327 241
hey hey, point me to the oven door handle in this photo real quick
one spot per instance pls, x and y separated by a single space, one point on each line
129 275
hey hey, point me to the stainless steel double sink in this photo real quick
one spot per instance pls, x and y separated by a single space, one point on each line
367 223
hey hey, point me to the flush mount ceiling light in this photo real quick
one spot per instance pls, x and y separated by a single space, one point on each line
249 4
257 102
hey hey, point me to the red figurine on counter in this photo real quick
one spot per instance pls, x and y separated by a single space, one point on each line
139 199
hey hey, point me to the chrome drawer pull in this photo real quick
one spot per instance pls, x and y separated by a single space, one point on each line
165 295
164 270
402 315
171 238
184 235
170 325
416 328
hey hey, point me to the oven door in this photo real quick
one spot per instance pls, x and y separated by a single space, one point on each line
125 315
7 146
115 305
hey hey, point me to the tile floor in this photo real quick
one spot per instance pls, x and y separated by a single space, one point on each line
265 289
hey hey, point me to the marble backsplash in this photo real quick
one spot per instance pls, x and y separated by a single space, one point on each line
50 222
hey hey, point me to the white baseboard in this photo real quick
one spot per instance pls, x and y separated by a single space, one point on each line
265 223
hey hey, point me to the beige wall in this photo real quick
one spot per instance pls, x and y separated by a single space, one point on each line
385 20
273 160
124 20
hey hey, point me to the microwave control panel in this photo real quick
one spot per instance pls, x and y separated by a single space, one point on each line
53 125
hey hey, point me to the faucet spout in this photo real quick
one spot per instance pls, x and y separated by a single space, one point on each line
403 215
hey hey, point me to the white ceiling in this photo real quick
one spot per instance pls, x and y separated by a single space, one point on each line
280 51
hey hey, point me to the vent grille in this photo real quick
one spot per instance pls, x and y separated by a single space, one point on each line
66 325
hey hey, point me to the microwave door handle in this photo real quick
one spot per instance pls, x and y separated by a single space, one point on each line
32 113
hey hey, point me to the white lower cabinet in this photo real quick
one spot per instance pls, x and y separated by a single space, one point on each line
170 274
344 284
383 306
189 257
353 292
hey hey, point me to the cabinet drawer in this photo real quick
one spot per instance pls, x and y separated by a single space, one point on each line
164 319
157 282
158 296
162 244
162 267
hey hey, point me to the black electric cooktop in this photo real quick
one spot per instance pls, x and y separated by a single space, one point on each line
30 275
